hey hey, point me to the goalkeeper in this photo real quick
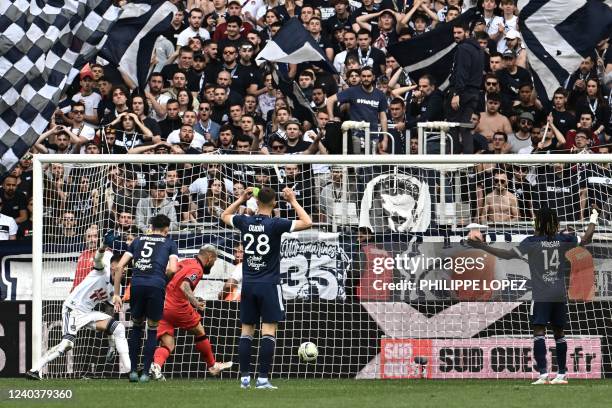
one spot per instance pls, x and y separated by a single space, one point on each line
545 252
78 311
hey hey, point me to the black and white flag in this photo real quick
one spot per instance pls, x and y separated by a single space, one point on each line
132 38
294 45
558 34
431 53
43 45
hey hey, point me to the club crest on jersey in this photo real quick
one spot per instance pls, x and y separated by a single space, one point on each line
99 294
193 277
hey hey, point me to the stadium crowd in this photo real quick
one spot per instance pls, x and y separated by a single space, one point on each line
206 95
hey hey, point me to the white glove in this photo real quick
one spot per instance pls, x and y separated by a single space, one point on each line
594 215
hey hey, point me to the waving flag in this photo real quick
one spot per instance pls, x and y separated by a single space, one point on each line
558 34
294 45
431 53
131 40
42 47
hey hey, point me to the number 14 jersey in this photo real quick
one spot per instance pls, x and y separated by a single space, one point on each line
261 239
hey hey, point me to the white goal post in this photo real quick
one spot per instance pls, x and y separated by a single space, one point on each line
402 203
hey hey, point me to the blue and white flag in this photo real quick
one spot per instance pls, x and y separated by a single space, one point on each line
131 40
43 45
558 34
294 45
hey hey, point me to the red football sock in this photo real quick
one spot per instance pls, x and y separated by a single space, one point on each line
202 344
161 355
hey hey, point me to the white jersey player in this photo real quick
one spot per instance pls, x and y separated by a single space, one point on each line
78 312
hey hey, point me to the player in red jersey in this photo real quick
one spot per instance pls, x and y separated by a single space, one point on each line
181 310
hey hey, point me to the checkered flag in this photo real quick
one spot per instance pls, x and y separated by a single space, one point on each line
42 48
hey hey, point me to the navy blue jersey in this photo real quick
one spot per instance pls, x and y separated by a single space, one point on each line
151 254
364 105
548 265
261 240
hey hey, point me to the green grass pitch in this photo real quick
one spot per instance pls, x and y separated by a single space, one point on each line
317 394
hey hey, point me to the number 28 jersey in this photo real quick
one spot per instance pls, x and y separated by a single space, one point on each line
261 239
150 254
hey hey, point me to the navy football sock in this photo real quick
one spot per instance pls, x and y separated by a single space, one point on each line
149 349
561 354
539 352
266 355
134 345
244 355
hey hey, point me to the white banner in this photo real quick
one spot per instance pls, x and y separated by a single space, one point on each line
313 265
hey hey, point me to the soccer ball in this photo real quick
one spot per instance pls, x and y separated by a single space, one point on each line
308 352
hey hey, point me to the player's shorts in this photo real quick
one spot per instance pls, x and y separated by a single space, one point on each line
545 313
261 302
147 302
74 320
186 318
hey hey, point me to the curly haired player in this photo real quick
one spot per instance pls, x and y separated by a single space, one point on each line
545 251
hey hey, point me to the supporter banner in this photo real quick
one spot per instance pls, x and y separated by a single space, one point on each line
313 265
499 357
15 338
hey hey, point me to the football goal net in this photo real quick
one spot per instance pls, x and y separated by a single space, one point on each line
385 283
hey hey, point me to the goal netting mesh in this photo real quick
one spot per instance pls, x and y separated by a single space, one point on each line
373 284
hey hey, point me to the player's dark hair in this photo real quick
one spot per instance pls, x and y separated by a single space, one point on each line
266 195
546 222
160 221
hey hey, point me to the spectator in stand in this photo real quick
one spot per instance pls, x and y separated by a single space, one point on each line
130 131
141 109
189 118
234 9
465 82
205 125
178 83
184 64
491 120
563 119
25 230
216 201
108 145
179 196
186 101
14 202
585 122
331 197
366 103
173 121
127 194
88 98
156 203
528 102
500 205
427 102
119 105
593 101
8 226
512 76
522 138
195 28
83 131
66 238
576 82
